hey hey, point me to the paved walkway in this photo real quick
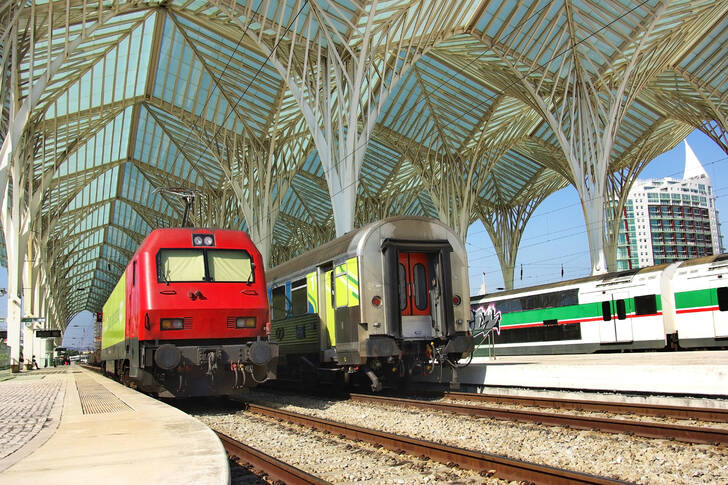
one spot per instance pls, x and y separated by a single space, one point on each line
71 425
30 410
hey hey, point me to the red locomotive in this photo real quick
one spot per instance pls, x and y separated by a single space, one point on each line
189 316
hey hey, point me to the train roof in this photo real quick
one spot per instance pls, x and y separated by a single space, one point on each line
607 277
704 260
180 235
341 245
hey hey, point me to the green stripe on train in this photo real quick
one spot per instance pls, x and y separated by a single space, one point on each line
696 298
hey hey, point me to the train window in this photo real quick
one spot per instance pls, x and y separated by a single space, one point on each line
568 297
278 305
180 265
645 305
420 283
341 288
402 287
606 311
230 265
723 298
299 297
621 310
540 333
509 306
553 299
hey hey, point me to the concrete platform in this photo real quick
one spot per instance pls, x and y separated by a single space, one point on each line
688 373
71 425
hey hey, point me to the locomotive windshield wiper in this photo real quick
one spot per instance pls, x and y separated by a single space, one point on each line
250 276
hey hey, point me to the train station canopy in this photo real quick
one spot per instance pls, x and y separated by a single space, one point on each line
299 120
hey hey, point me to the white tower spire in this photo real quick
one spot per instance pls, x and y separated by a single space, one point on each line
482 285
693 168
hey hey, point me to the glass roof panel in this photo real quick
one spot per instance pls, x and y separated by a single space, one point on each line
108 145
110 141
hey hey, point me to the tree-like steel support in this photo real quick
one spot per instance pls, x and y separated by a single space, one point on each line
505 224
455 176
341 84
620 181
302 235
585 104
338 66
17 153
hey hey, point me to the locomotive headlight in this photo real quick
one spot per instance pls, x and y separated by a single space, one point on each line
172 323
456 300
203 240
376 301
245 322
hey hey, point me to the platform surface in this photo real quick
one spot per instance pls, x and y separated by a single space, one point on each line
687 373
71 425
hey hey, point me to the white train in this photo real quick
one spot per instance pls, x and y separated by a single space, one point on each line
680 305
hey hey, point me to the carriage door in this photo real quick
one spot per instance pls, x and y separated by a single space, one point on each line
616 324
414 295
720 317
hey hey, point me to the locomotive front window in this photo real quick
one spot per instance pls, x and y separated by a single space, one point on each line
229 265
193 265
180 265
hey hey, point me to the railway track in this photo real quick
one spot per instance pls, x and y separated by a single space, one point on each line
691 434
499 466
678 412
274 468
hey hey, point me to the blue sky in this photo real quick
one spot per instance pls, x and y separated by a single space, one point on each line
554 236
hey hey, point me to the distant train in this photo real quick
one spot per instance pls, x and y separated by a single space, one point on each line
189 316
681 305
378 304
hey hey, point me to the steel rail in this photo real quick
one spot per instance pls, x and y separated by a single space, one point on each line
691 434
273 467
500 466
680 412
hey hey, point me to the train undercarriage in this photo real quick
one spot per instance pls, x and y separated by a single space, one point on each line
188 370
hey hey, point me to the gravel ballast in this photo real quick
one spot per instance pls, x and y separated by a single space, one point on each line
617 456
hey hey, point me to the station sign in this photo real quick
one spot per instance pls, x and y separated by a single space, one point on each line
32 320
47 333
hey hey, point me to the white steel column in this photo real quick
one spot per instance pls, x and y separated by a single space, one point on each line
19 39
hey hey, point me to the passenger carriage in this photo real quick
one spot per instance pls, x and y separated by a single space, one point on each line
700 295
677 305
384 301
